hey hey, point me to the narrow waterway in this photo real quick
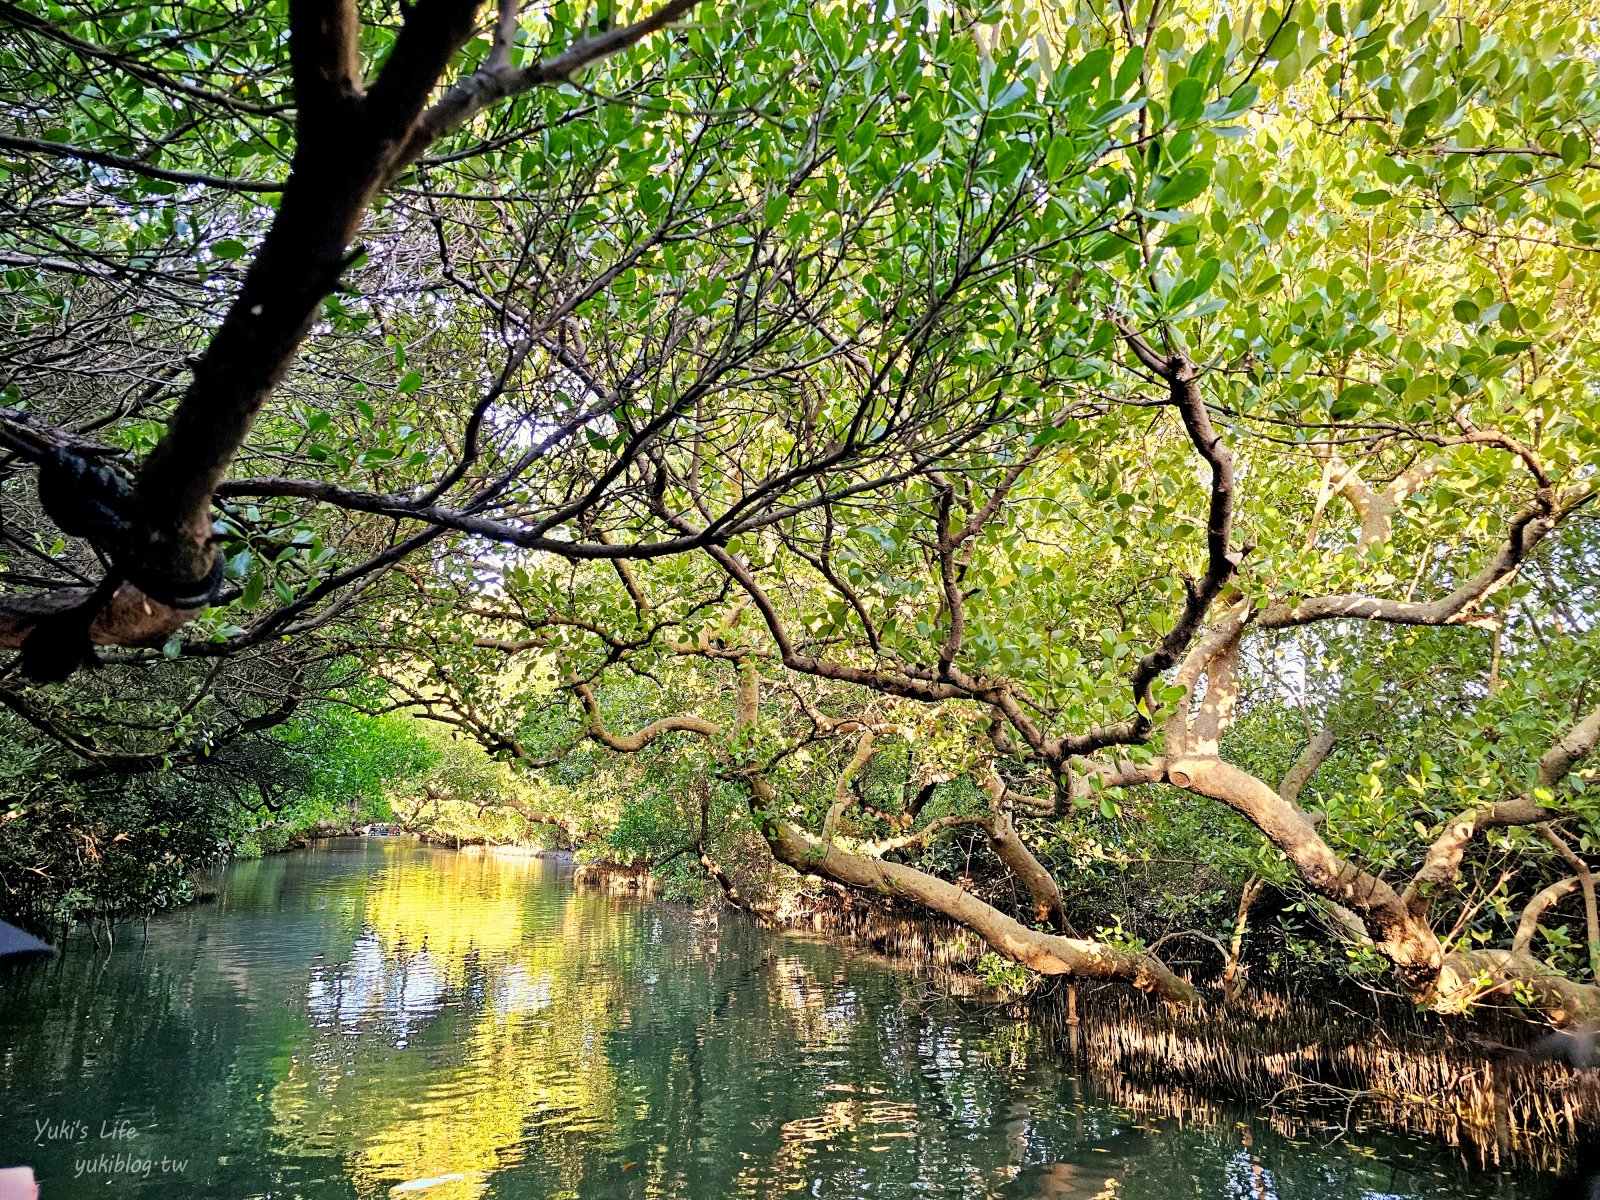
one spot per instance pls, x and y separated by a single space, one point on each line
373 1019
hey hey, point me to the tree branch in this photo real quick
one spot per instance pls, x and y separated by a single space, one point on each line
1442 863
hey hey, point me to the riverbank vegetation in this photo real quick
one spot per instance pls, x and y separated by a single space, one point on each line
1120 478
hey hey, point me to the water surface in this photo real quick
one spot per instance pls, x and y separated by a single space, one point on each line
376 1019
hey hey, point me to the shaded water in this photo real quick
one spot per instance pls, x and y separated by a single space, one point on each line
374 1019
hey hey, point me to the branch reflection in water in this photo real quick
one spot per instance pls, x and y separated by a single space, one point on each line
373 1018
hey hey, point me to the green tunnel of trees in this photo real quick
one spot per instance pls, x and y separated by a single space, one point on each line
1089 471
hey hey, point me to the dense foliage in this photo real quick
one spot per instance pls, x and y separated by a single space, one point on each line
1120 477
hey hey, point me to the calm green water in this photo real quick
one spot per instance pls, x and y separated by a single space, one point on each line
373 1019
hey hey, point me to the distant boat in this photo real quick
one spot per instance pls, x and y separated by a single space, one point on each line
20 941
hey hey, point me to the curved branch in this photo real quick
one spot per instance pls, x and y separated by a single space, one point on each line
1469 976
1049 954
1048 904
923 836
1534 910
1405 940
348 147
1182 379
1442 863
1526 530
135 166
497 79
1305 766
843 795
1585 878
632 743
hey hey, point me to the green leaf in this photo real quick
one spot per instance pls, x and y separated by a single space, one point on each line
253 589
1349 402
1242 98
1014 91
1183 187
1107 248
1344 407
1128 71
1188 100
1574 150
1085 71
1107 115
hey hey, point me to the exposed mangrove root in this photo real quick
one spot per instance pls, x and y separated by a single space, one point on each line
730 890
623 879
1232 967
1322 1065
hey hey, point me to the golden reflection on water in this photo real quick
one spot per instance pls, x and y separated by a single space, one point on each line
463 907
385 1021
462 1025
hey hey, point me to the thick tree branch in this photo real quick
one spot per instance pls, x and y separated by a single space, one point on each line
844 796
1049 954
1048 904
1468 977
497 79
349 146
1406 941
1305 766
1542 902
1222 560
